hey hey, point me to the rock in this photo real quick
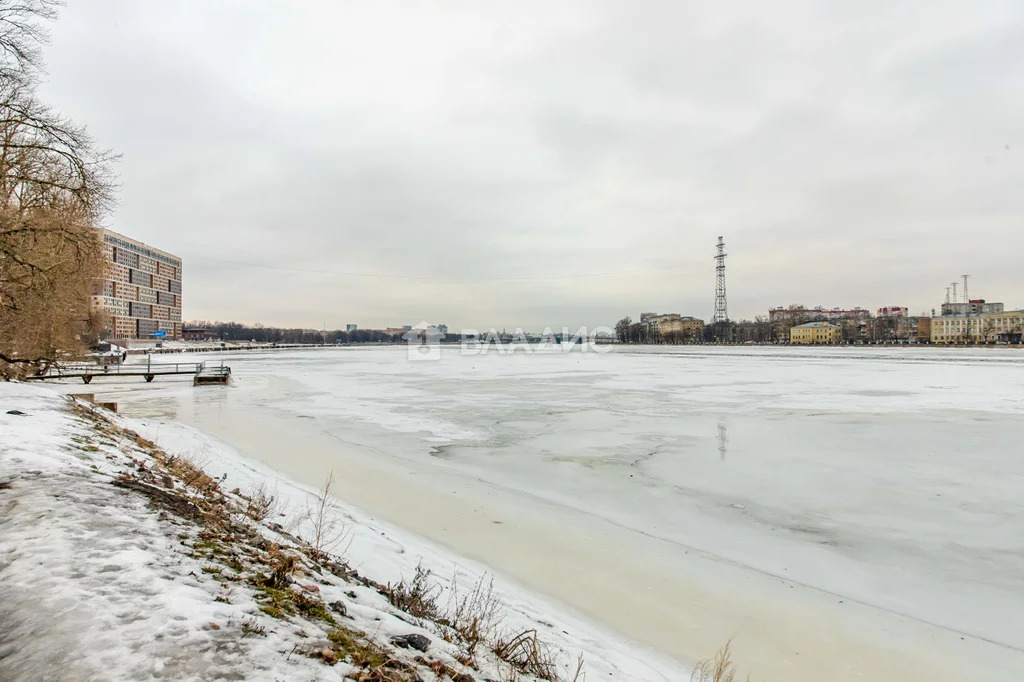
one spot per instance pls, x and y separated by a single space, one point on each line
418 642
18 413
277 527
463 677
350 594
339 608
337 569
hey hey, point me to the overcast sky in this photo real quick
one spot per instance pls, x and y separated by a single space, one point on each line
557 163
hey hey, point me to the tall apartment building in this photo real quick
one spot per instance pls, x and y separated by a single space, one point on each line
141 290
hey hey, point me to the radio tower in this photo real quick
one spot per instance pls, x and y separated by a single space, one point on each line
721 307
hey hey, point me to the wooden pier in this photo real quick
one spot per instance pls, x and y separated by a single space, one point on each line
203 374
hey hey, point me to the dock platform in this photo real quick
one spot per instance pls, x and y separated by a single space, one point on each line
219 374
212 375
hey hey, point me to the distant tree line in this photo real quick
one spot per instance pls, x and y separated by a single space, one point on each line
743 331
236 331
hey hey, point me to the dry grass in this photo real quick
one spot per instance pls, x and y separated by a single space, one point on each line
527 655
260 502
189 470
718 668
579 675
284 565
473 617
251 626
417 597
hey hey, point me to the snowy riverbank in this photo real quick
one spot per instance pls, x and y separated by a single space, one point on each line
112 583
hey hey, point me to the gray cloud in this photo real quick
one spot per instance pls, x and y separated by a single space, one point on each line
557 163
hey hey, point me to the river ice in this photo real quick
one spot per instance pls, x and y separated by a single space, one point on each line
864 505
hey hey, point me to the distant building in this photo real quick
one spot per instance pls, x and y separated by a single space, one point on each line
442 329
140 290
815 333
196 334
996 327
924 330
349 328
976 306
855 323
976 321
893 311
898 327
673 326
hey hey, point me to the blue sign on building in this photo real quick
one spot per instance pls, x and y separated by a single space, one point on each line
160 333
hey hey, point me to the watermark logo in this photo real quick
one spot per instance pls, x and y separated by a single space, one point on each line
425 341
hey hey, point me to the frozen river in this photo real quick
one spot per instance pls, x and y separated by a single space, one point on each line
842 514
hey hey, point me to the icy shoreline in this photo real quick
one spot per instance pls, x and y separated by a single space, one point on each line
389 554
108 552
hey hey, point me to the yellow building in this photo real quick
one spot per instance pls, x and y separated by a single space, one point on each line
815 333
1005 326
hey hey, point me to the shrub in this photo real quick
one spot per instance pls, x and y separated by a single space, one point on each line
418 597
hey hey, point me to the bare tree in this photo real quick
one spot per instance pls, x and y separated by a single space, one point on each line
622 329
762 329
988 333
22 36
55 185
327 529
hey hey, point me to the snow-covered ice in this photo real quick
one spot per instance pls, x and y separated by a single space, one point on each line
855 511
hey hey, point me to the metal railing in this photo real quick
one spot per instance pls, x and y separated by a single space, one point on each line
81 369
